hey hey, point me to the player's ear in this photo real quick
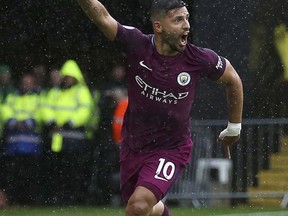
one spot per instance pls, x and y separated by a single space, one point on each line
157 26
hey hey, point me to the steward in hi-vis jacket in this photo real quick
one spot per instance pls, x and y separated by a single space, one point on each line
66 114
22 142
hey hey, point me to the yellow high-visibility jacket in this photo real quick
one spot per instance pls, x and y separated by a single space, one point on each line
21 107
73 105
281 43
70 109
24 108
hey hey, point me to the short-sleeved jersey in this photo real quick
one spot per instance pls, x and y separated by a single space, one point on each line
161 90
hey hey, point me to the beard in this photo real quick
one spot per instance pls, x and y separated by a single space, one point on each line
172 40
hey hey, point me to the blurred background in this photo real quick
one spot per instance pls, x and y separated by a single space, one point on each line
251 34
34 32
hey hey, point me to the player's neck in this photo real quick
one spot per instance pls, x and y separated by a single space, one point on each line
163 48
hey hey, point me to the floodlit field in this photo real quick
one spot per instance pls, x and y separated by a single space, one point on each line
108 211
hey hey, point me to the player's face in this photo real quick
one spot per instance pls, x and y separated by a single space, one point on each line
175 29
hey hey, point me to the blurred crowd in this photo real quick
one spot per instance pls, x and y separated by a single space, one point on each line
60 137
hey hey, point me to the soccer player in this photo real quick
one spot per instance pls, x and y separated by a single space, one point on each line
163 70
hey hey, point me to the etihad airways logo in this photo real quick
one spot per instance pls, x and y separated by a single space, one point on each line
156 94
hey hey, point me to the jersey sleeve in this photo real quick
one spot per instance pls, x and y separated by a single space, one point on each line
129 37
216 64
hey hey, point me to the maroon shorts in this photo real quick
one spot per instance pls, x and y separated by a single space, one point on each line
156 171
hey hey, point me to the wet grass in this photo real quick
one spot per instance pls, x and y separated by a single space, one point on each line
109 211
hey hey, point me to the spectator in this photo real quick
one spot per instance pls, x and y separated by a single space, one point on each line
117 77
118 116
40 71
6 87
66 114
117 123
49 95
55 78
22 143
6 83
95 192
281 44
108 163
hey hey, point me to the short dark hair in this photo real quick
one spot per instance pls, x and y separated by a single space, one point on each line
163 6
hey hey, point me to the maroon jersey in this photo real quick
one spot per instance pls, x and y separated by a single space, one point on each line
161 90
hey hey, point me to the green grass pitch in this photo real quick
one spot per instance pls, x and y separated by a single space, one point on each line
110 211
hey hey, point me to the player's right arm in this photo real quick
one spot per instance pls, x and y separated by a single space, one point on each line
96 11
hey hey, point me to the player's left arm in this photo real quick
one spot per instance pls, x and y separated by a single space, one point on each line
234 94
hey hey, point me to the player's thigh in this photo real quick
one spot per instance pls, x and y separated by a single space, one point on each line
160 172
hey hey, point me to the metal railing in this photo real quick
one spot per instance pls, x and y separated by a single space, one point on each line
259 138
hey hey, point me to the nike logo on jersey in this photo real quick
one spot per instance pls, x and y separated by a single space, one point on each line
160 178
145 66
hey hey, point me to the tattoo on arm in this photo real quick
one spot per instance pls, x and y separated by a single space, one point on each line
95 8
98 11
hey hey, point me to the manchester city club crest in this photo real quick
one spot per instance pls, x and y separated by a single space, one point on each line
183 79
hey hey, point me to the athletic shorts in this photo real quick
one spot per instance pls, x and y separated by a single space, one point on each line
156 171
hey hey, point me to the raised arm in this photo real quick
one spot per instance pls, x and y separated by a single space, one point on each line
100 16
234 93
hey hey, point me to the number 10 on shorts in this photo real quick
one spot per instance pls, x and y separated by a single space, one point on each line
165 170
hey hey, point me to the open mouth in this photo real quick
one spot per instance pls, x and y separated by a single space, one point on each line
183 39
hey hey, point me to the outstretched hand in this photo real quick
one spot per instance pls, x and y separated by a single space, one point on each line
227 141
